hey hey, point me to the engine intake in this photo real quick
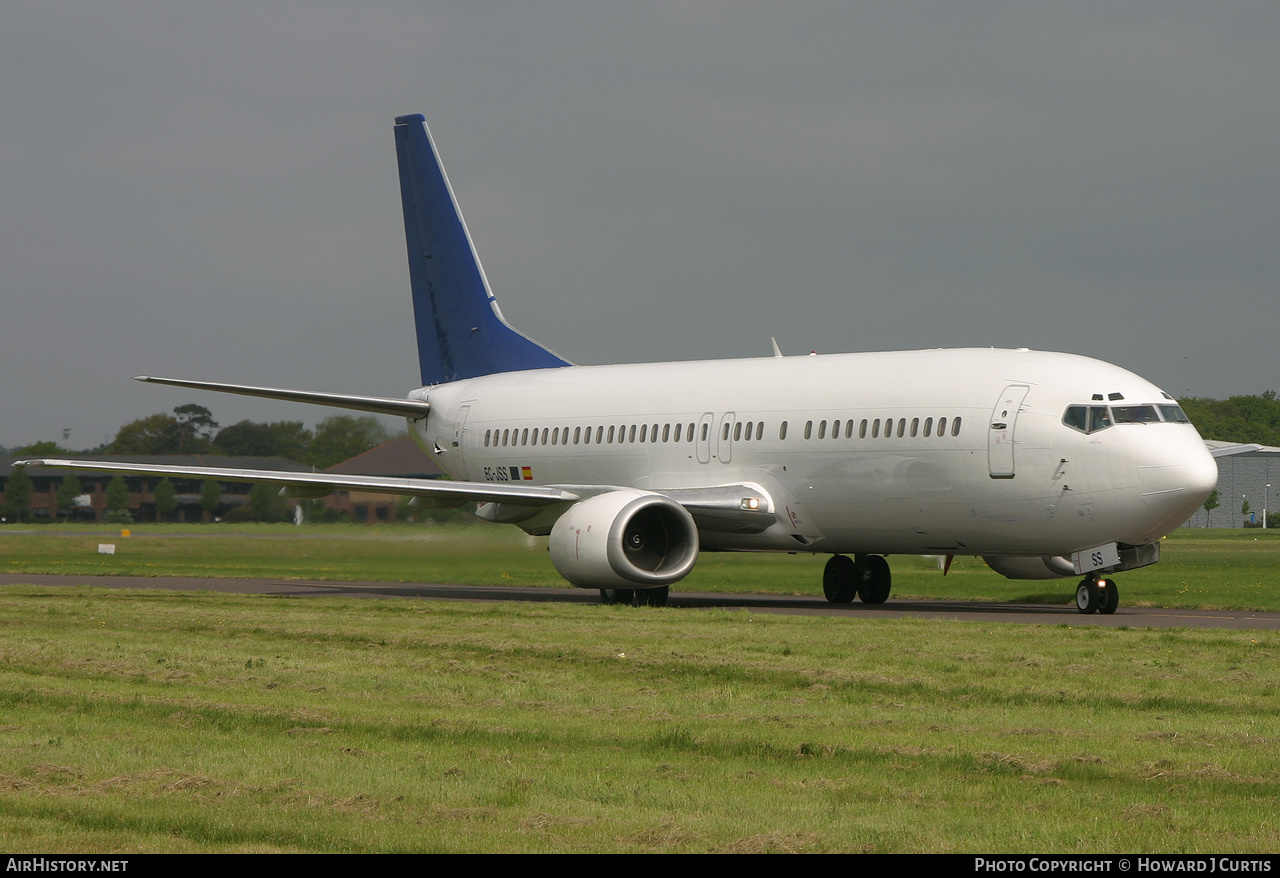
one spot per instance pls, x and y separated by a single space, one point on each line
624 539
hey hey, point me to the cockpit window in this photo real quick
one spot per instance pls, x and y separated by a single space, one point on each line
1077 416
1134 414
1092 418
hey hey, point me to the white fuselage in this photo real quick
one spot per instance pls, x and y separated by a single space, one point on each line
939 451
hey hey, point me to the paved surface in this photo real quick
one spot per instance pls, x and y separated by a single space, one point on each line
971 611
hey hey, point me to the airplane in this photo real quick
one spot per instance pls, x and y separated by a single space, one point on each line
1047 465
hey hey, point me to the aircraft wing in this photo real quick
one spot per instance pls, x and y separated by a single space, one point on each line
438 492
724 508
379 405
1228 450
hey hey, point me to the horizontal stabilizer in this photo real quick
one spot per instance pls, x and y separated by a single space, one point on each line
378 405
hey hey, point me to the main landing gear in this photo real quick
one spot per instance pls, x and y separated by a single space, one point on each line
866 576
635 597
1097 595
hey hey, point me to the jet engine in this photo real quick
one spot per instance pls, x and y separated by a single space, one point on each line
1031 566
624 539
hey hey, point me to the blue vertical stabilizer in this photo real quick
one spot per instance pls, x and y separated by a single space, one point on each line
461 332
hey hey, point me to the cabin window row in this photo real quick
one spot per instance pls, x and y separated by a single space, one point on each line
875 428
615 435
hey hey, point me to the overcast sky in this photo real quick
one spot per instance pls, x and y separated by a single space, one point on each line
209 190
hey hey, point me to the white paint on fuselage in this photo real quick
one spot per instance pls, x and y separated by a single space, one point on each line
1129 483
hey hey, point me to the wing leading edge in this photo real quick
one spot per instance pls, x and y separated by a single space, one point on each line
438 491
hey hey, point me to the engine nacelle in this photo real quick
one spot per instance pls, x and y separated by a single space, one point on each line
1031 566
624 539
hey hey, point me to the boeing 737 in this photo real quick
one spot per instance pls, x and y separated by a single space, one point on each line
1045 464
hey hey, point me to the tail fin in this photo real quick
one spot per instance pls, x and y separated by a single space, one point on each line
461 331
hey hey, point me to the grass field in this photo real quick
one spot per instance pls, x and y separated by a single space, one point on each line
161 721
1233 569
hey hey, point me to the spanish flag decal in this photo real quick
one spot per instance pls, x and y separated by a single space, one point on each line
526 473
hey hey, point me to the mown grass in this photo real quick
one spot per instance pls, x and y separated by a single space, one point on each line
1229 569
157 721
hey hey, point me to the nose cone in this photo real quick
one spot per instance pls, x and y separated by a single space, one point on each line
1176 478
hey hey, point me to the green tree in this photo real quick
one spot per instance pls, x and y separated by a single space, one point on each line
117 495
251 439
47 448
264 501
18 494
193 426
166 500
186 431
68 491
210 499
340 437
1210 504
149 435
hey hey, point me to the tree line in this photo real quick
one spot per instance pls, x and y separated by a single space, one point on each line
1236 419
191 429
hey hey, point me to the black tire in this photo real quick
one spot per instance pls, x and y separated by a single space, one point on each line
651 597
612 596
1108 596
1087 597
876 582
840 579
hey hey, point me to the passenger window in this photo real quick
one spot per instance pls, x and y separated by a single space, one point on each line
782 430
808 429
862 429
955 426
705 430
599 434
644 431
759 430
737 431
666 432
875 429
822 429
915 427
942 427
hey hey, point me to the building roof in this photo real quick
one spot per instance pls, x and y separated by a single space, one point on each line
400 457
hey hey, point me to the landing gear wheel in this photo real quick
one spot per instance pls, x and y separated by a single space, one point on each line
876 580
1087 599
613 596
650 597
1108 596
635 597
840 579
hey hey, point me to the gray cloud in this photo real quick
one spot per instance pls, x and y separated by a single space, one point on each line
211 191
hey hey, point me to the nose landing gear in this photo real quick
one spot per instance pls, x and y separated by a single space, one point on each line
1097 595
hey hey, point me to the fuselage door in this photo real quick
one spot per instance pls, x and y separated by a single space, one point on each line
1000 438
703 437
725 437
